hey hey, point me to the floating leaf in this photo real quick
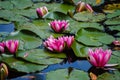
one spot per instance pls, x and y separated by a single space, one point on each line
74 75
89 17
29 41
75 26
6 5
93 38
113 21
117 28
22 4
40 56
22 66
109 76
56 15
79 49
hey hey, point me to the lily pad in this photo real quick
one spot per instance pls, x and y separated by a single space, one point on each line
117 28
109 76
113 21
76 26
40 29
6 5
10 15
57 15
40 56
22 4
93 38
113 15
74 75
22 66
79 49
89 17
27 41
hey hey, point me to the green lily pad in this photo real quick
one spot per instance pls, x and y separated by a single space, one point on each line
76 26
26 41
41 29
89 17
117 28
113 21
10 15
93 38
113 15
40 56
74 75
6 5
109 76
115 58
22 4
22 66
57 15
79 49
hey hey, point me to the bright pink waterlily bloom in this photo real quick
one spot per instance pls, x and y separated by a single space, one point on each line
59 26
42 11
99 57
68 40
56 45
2 46
82 6
12 46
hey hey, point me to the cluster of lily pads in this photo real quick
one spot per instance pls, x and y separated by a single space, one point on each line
46 35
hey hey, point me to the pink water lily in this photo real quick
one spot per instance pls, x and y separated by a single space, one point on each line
99 57
68 40
116 43
2 46
82 6
42 11
56 45
59 26
12 46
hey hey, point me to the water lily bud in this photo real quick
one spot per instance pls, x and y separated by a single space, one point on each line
89 8
59 26
42 11
80 6
99 57
3 71
116 43
2 46
12 46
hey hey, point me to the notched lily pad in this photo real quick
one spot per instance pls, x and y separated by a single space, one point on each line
79 49
89 17
40 56
22 66
93 38
74 75
113 21
109 76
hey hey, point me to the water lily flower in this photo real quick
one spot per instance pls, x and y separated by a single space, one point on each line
3 71
116 42
12 45
68 40
99 57
56 45
59 26
82 6
2 46
42 11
